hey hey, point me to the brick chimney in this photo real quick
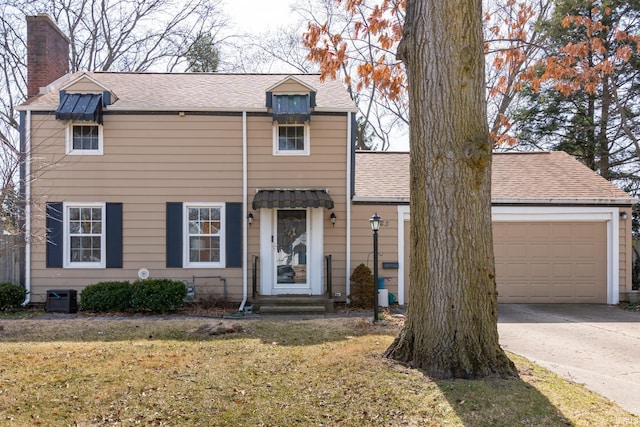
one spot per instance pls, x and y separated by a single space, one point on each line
47 53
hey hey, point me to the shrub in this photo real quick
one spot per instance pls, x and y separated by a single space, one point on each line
361 287
158 295
11 296
107 296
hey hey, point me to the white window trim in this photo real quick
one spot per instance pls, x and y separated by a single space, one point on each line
69 138
66 247
307 140
185 235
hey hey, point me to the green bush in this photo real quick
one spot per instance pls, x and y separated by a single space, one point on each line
11 296
107 296
158 295
155 295
361 287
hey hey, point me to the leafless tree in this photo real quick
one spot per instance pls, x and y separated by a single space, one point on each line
116 35
513 43
276 51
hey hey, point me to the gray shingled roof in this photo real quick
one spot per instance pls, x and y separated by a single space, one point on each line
543 177
196 91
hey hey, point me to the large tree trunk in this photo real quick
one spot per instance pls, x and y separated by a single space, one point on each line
451 326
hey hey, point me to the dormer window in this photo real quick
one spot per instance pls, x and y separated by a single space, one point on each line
83 114
291 116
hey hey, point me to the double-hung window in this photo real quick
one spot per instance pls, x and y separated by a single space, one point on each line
291 139
84 235
204 235
84 138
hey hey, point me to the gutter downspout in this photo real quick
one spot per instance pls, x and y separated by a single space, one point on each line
348 204
245 250
27 205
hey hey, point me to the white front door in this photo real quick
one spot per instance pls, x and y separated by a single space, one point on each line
291 251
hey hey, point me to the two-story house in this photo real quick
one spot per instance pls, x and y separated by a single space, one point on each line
243 183
183 176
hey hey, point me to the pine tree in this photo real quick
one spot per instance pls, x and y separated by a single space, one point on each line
582 97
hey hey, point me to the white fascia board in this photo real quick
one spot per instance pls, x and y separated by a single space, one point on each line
629 201
54 84
528 202
187 109
46 108
334 110
552 213
375 199
169 109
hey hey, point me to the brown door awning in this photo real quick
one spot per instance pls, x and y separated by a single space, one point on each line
292 199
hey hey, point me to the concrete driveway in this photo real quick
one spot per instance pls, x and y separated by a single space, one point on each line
594 345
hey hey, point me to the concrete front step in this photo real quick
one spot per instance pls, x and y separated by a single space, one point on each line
292 309
292 304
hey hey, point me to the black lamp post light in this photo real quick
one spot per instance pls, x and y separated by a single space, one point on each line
375 221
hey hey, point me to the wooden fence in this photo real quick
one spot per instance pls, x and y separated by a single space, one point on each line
10 252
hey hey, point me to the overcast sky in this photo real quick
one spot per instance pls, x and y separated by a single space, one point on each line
260 16
257 16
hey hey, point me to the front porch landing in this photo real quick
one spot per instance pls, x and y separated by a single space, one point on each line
292 304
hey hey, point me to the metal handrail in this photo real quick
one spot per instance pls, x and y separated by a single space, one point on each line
255 260
329 271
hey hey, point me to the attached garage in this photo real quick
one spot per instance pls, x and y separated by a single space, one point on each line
562 234
551 262
547 255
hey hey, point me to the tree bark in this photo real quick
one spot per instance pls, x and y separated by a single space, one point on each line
451 326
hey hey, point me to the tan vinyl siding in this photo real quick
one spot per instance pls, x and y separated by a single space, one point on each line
324 168
84 85
153 159
291 86
362 241
148 160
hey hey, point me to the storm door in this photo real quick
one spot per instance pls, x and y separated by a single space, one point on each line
291 243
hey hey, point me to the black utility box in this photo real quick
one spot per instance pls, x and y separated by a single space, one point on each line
62 301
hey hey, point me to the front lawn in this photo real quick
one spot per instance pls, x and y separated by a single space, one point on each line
94 371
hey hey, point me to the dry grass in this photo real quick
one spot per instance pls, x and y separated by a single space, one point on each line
88 371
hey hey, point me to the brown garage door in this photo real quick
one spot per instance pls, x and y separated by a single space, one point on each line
551 262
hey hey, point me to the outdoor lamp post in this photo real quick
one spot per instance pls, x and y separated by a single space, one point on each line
375 222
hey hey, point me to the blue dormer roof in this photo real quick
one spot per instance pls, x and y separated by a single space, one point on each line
83 107
291 108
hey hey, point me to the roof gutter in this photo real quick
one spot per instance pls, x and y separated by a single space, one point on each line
176 109
510 201
376 199
564 202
